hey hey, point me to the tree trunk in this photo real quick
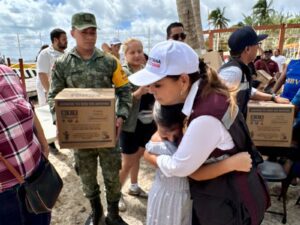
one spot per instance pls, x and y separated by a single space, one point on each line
186 17
218 42
198 23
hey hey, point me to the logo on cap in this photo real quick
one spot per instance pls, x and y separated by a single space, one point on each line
154 62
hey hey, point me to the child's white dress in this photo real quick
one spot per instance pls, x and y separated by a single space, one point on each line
169 200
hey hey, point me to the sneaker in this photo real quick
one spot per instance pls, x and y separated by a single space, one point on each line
139 192
122 205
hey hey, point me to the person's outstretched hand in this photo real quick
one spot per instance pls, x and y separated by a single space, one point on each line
281 100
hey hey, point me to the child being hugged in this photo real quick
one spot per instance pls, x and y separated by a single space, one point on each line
169 200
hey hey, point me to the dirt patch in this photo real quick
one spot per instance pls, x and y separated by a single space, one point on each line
73 208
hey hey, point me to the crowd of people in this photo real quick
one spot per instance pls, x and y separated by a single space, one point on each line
185 118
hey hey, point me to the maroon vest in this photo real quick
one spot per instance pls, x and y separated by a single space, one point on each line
236 197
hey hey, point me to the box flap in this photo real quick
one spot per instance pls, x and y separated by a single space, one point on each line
86 93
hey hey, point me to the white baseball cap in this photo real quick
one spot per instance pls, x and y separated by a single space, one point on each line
167 58
115 41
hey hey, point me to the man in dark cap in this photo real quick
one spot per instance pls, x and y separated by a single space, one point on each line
243 44
85 66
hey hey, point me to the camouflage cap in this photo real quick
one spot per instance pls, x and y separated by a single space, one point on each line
83 20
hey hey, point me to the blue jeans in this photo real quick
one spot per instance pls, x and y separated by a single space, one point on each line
13 209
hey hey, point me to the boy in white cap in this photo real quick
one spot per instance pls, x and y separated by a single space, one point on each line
113 47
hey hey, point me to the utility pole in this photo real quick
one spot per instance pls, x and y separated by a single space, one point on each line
41 39
19 47
149 41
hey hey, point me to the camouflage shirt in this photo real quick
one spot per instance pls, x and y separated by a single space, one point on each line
101 71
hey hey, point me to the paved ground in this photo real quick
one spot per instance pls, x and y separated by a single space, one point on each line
293 211
72 208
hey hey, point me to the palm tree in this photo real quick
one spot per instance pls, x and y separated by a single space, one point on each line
198 23
294 19
248 20
280 17
218 20
186 17
238 25
262 11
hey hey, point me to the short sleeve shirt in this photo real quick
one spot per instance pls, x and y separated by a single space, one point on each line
296 102
269 66
280 60
46 59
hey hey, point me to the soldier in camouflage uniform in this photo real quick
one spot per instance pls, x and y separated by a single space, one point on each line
85 66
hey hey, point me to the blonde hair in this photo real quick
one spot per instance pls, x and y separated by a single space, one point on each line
129 41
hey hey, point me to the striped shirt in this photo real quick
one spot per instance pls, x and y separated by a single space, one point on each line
18 144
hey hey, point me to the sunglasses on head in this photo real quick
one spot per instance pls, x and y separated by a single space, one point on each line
177 36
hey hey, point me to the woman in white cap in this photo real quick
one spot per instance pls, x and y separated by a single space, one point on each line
215 130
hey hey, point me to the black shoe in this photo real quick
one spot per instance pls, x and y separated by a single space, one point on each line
53 149
116 220
97 215
113 217
89 221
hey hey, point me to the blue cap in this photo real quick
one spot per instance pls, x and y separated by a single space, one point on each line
243 37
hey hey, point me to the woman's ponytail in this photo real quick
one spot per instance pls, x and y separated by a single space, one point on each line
212 83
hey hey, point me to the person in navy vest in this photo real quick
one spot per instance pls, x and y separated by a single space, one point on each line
243 44
215 130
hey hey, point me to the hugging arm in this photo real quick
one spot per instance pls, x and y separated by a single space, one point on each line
238 162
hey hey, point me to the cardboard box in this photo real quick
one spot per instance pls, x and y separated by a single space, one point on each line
270 124
85 118
264 77
213 59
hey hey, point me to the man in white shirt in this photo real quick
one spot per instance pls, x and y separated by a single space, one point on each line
46 60
279 59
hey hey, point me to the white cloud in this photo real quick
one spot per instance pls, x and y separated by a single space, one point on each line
34 19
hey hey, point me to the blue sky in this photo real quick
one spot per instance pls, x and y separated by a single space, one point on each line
32 20
56 2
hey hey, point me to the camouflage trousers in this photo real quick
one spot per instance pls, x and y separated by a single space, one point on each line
86 162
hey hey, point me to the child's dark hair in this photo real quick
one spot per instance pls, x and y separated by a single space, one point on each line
168 115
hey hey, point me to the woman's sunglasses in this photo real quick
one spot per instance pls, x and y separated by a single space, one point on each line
177 36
